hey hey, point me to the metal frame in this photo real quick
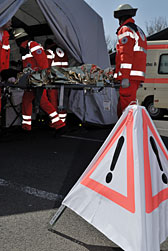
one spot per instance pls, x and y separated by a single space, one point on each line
61 85
56 216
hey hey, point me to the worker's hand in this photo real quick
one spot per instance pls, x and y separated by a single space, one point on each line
12 80
125 83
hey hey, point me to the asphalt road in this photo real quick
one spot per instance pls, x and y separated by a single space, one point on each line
36 172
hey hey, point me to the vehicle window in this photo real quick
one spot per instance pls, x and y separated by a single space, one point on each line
163 64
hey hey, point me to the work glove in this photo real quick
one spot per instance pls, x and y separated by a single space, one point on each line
125 83
12 80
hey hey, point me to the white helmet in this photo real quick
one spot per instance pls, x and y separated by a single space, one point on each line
19 32
124 10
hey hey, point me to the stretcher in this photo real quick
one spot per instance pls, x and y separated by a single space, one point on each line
88 78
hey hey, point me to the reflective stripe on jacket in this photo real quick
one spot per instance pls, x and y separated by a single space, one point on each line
4 51
50 56
131 52
36 58
60 59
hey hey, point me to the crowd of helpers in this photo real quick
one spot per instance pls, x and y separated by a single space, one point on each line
130 67
34 56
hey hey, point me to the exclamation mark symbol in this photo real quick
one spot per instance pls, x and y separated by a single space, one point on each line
154 147
115 158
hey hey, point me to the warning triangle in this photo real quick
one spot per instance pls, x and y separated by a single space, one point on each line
155 166
124 190
120 146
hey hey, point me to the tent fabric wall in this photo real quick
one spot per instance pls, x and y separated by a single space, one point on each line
84 37
76 26
56 15
79 30
8 9
95 106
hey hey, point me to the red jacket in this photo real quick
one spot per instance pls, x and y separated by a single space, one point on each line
57 57
35 58
131 52
4 51
50 56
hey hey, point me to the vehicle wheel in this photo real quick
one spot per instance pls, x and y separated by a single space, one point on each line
155 113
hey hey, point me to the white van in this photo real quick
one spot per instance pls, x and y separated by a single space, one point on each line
154 91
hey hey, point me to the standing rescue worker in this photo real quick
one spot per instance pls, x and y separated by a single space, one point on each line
4 49
130 56
59 58
33 56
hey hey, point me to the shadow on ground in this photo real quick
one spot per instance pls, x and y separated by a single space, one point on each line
88 246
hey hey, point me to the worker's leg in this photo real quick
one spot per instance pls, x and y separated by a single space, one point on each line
28 97
56 122
53 97
0 99
127 95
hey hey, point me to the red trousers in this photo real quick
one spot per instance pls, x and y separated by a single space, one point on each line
53 97
28 97
127 95
0 100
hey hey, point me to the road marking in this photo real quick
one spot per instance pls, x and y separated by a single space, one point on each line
81 138
31 190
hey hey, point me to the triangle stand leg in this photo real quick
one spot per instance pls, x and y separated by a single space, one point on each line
56 215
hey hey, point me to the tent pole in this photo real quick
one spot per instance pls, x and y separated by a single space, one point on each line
61 98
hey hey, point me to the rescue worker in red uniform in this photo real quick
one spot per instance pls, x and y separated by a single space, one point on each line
33 56
131 53
56 57
4 49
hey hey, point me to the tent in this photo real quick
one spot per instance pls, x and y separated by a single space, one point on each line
79 30
76 26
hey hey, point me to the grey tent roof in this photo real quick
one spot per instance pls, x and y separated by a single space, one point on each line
75 25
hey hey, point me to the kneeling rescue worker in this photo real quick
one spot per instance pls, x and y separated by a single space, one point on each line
131 53
33 56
